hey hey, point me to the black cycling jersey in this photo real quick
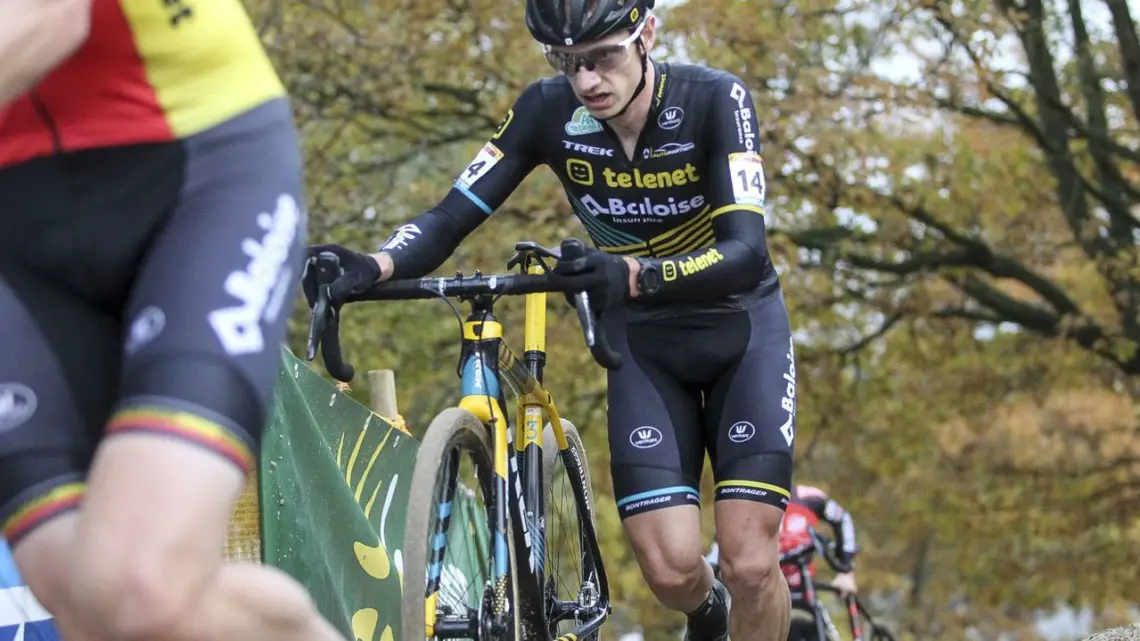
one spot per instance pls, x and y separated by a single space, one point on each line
691 199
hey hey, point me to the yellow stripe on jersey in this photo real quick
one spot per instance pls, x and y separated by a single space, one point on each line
203 59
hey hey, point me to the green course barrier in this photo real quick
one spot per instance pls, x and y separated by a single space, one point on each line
334 484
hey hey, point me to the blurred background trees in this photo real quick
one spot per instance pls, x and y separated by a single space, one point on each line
953 192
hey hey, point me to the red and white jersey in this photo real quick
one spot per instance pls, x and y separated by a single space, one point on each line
809 506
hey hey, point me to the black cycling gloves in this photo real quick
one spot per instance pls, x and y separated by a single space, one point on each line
358 272
604 277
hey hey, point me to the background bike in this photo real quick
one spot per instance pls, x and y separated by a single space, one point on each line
466 469
801 557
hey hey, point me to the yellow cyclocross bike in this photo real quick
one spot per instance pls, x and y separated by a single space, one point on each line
485 526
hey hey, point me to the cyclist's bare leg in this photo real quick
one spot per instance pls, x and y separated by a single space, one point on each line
42 558
667 544
142 560
747 533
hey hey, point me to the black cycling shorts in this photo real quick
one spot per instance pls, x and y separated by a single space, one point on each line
722 383
143 288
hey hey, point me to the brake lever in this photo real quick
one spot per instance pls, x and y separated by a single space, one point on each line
324 323
334 360
326 267
317 322
595 336
570 249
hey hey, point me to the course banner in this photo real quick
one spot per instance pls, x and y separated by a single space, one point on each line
332 490
333 497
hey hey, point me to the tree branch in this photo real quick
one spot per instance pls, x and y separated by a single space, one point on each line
1009 308
988 260
967 314
1129 50
862 343
1109 173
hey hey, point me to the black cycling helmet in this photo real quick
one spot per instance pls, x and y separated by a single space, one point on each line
569 22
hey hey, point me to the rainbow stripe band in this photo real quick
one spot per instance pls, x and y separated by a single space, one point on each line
42 509
186 426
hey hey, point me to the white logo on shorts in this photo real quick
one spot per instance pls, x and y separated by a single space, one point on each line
741 432
17 404
262 285
788 402
645 437
146 327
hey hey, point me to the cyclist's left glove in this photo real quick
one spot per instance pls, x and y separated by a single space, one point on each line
604 277
358 272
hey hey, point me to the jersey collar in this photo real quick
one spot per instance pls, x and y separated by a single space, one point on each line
660 77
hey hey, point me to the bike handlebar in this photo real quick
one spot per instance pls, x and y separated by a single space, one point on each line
324 325
818 543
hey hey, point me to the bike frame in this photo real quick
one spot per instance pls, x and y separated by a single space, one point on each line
486 362
823 624
853 610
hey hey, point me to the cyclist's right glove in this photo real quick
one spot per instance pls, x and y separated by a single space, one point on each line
358 272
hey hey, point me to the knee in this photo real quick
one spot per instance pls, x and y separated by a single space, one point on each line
672 572
751 570
131 595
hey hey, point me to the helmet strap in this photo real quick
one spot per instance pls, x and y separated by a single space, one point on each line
640 84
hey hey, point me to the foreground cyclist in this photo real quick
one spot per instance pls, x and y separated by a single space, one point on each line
661 164
151 231
810 505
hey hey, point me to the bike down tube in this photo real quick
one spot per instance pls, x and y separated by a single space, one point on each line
855 611
483 345
481 391
853 617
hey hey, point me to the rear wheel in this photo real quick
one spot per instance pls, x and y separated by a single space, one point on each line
449 584
572 587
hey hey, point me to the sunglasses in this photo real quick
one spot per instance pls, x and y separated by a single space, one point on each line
602 59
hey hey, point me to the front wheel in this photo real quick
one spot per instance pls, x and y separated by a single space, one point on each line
451 590
573 588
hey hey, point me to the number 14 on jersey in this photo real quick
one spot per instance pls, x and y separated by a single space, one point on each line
747 171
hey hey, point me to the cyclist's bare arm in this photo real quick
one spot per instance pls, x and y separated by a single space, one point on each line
35 37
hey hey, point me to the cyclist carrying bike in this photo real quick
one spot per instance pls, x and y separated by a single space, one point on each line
810 505
661 164
151 233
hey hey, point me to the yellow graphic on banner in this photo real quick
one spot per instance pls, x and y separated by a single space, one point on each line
364 624
374 560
